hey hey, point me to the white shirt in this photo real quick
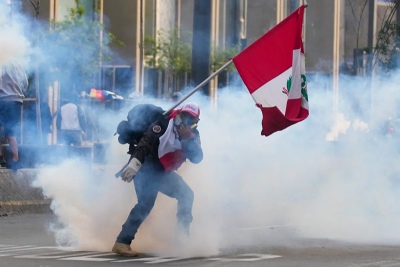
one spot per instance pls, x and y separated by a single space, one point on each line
70 118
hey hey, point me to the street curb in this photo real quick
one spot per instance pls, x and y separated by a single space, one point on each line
17 194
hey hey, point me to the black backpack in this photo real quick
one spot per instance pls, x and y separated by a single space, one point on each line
139 119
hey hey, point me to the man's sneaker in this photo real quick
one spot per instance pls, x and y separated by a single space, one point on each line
124 250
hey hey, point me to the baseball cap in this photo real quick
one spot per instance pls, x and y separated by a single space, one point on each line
192 108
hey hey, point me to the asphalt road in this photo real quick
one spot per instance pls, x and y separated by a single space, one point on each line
25 242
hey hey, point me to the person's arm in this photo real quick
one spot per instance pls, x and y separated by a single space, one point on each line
146 146
148 143
192 147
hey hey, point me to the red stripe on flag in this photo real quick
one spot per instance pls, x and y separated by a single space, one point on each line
274 121
271 54
172 160
270 57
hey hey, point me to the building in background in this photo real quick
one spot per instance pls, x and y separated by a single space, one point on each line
336 33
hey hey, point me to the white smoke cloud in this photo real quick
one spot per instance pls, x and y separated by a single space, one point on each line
14 45
335 175
247 184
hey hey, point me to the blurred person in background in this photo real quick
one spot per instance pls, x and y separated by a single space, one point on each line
13 83
134 99
71 122
176 96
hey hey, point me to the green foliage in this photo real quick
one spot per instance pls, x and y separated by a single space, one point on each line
387 46
168 51
150 51
74 49
221 56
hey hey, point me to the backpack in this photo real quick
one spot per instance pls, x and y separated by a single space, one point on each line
139 119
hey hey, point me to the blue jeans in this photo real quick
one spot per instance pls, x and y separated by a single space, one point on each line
148 182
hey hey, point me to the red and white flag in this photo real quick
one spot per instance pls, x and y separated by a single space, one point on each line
273 70
170 149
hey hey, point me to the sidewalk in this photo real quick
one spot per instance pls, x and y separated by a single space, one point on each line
18 196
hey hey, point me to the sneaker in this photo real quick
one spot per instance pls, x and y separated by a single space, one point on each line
124 250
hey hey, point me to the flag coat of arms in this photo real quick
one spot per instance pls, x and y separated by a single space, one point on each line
273 70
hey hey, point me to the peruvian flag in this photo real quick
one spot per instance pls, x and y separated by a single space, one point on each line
273 70
170 149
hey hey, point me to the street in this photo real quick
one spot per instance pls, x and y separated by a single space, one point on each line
26 242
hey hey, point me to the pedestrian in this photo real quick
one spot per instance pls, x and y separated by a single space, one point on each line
71 121
165 145
176 96
13 83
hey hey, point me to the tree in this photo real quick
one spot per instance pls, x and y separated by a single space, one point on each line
74 49
385 52
221 56
387 46
356 25
169 52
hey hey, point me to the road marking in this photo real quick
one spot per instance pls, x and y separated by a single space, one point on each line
7 245
163 260
138 259
70 254
91 257
25 203
21 248
246 257
49 256
13 247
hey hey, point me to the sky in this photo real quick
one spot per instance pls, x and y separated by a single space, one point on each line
333 176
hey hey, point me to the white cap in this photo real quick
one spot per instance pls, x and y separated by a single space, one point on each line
191 108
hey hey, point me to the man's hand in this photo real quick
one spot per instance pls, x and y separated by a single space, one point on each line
131 170
185 132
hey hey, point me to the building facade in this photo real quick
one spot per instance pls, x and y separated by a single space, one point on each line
334 31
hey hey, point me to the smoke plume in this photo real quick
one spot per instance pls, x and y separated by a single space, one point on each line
334 175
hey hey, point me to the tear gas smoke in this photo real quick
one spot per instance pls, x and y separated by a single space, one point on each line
14 45
334 175
343 188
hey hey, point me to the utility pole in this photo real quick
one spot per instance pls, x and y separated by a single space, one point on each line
371 33
336 52
139 69
370 56
37 82
243 24
201 43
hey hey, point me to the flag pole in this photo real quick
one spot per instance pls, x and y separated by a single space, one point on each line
198 87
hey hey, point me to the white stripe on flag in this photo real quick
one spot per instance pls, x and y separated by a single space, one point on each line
270 94
295 92
168 141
